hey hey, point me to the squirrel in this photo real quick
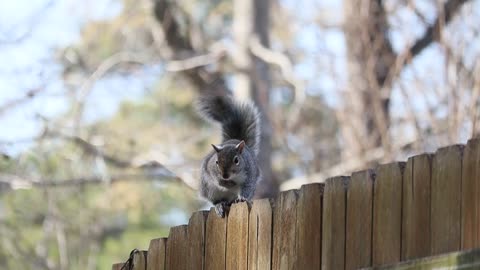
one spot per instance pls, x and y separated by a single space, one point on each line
230 172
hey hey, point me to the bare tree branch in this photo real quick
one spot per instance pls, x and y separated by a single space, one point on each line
92 149
282 61
450 9
102 69
195 61
203 80
21 100
31 24
14 182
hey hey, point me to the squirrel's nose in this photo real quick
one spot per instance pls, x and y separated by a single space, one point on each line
225 176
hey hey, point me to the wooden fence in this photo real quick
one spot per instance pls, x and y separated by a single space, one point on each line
400 211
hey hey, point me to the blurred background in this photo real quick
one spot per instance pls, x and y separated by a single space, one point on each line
100 146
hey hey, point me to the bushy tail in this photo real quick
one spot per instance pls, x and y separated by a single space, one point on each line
239 121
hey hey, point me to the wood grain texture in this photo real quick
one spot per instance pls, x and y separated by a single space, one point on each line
156 254
140 260
387 214
416 207
309 227
359 220
196 240
334 223
177 248
237 237
260 235
446 200
215 242
471 195
284 230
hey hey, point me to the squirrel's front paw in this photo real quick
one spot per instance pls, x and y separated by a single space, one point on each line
221 209
240 199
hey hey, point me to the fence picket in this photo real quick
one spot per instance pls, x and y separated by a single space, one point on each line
215 241
284 230
156 254
471 195
177 251
117 266
416 207
446 199
196 240
260 235
387 214
309 227
359 220
237 237
140 260
334 222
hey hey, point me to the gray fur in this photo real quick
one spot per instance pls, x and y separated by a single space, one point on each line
235 176
239 121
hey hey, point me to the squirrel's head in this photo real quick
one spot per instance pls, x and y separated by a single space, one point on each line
229 163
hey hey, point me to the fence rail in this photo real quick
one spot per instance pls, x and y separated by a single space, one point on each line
400 211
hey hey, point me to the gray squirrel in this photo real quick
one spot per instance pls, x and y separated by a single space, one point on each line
230 172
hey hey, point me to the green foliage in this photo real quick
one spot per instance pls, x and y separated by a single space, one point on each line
102 218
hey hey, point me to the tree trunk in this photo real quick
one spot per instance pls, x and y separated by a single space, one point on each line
372 68
365 119
252 80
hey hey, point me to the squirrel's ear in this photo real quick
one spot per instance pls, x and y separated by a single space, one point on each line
240 146
217 148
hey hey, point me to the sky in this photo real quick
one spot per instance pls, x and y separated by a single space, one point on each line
31 31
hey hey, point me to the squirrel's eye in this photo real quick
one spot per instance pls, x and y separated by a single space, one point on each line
235 159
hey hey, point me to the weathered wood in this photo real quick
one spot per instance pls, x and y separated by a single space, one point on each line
387 214
416 207
117 266
471 195
334 223
446 200
465 260
359 220
216 237
237 237
140 260
196 240
309 227
284 228
260 235
429 205
177 249
156 254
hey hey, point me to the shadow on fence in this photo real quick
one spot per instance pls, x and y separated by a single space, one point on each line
400 211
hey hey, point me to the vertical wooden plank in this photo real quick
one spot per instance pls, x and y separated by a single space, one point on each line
216 237
237 237
309 227
387 214
284 230
416 207
156 254
359 220
471 195
117 266
446 199
140 260
196 240
260 235
334 223
177 251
